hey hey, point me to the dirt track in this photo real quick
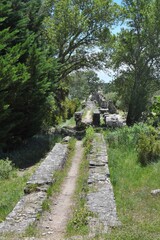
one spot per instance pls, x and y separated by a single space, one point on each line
53 224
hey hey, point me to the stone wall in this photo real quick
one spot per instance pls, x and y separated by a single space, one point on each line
100 199
30 206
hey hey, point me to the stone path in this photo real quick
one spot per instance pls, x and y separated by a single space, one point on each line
52 225
90 106
100 199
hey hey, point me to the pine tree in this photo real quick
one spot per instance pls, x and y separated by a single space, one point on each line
26 70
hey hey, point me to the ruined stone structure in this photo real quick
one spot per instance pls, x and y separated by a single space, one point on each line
114 120
30 206
96 118
78 118
100 99
100 199
111 108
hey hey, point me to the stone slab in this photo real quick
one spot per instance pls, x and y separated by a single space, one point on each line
54 161
24 214
100 199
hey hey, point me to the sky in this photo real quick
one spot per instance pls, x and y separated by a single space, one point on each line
107 75
117 1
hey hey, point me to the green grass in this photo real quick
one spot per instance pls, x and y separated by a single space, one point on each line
68 123
11 191
137 209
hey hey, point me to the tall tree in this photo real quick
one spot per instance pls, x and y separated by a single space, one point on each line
136 55
26 70
75 28
83 83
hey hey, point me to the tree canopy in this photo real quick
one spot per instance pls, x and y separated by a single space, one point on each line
43 43
75 28
136 54
25 70
84 83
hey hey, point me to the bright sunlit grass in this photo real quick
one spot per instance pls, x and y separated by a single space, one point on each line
137 209
11 191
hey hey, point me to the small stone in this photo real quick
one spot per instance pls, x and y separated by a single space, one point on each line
50 219
155 192
43 234
66 139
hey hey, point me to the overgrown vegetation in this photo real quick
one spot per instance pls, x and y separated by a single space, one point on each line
6 168
78 224
39 49
148 148
135 56
141 137
12 187
137 209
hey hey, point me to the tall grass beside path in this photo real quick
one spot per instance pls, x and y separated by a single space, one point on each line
138 210
11 190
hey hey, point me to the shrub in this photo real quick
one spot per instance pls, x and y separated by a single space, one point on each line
6 168
127 135
154 115
111 96
148 148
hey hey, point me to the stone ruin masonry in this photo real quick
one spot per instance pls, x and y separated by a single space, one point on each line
100 199
106 108
30 206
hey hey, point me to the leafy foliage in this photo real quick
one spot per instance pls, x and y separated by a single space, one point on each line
74 28
83 83
127 135
154 112
148 148
25 71
140 137
136 56
6 168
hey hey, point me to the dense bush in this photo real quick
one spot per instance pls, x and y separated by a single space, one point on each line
27 71
6 168
148 148
111 96
71 106
154 112
143 138
127 135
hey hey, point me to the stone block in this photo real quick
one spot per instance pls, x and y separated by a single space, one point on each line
96 118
